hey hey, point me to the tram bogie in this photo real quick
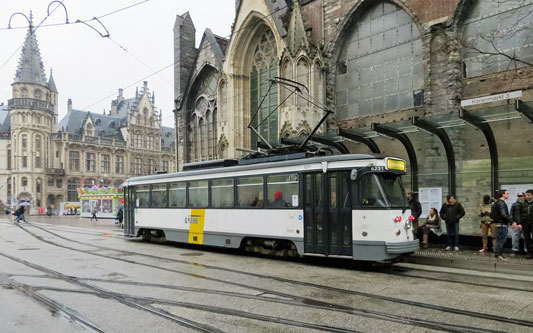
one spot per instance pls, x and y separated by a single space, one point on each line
350 206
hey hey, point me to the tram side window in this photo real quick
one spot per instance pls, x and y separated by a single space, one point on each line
177 195
222 193
282 191
250 192
198 194
159 195
143 196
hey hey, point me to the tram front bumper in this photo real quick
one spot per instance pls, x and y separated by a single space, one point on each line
403 247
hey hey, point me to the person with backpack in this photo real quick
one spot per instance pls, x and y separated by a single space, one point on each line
486 223
525 222
451 212
499 213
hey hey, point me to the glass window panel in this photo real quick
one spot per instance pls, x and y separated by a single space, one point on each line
198 194
391 102
376 25
366 91
282 191
177 195
250 192
377 41
364 29
159 195
342 97
222 193
143 196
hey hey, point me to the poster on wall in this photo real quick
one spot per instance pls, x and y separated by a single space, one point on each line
429 197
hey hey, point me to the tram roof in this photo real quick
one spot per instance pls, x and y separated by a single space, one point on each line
267 165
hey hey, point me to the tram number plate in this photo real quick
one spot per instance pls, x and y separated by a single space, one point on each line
377 168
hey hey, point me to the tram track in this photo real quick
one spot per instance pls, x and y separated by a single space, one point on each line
460 278
70 313
328 306
143 303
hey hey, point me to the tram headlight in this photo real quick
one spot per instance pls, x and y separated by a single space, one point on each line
407 224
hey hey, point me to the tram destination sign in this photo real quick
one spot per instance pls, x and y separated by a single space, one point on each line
491 98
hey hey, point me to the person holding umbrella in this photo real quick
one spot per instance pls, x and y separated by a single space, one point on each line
19 213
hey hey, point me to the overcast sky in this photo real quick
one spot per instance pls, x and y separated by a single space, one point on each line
90 69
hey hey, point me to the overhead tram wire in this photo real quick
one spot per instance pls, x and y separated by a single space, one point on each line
32 32
248 26
59 24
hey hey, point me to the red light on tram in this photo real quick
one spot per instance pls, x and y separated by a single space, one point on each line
398 219
412 218
398 232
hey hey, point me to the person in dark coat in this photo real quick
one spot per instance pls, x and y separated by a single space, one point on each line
500 215
416 209
525 222
451 212
120 216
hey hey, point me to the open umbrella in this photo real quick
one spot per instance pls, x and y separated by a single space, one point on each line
25 203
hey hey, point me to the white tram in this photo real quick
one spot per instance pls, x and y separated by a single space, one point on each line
350 206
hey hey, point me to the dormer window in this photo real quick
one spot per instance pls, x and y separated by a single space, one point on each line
97 122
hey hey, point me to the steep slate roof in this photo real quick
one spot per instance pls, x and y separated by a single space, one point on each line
124 106
106 126
168 137
52 83
5 119
30 68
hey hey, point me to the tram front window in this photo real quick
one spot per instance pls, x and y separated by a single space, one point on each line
381 190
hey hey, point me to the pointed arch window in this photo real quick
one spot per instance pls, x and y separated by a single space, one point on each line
264 68
302 76
497 36
202 126
380 66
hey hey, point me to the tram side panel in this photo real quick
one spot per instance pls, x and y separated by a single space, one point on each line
378 235
223 227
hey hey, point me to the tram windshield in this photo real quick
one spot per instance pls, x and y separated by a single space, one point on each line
381 190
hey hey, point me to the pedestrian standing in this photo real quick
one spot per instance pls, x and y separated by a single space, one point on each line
451 212
416 210
525 222
515 230
486 223
500 215
94 215
120 217
49 211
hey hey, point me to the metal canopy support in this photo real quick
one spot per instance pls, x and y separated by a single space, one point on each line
525 110
371 144
394 133
337 145
448 148
479 123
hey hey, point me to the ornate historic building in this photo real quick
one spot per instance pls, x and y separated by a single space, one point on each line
444 84
44 161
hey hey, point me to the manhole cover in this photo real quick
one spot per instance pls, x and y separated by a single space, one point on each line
192 254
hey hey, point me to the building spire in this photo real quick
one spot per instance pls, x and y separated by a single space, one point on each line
30 68
52 83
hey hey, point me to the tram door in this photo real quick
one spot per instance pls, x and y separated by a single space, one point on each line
327 213
129 211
